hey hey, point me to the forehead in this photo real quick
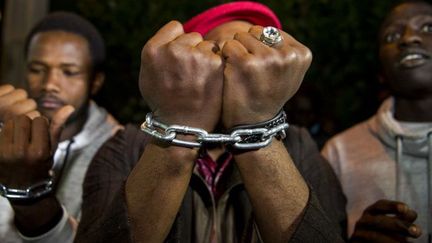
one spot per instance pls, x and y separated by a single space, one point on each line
406 11
55 43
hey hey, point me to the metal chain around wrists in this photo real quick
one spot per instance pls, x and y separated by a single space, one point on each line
245 137
30 193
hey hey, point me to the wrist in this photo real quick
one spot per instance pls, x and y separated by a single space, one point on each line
176 154
38 217
244 137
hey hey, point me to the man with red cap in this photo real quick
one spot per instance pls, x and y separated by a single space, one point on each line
215 161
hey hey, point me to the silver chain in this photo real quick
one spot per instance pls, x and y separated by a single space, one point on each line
251 138
32 192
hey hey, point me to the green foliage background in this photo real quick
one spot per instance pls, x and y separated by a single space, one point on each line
340 33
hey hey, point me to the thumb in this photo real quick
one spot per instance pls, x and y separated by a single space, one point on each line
57 124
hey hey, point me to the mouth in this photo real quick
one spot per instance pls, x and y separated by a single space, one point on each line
49 102
413 59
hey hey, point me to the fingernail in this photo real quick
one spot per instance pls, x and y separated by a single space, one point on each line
413 230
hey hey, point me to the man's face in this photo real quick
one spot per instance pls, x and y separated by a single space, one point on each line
405 44
58 71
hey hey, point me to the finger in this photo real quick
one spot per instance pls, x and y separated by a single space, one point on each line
257 31
406 213
5 89
40 146
33 114
233 50
208 46
251 43
23 107
7 133
166 34
386 207
22 132
57 122
13 97
189 39
384 223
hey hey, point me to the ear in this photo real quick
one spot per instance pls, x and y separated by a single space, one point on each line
97 83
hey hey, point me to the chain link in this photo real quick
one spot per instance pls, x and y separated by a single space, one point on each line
241 138
32 192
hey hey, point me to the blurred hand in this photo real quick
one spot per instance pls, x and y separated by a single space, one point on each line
258 79
181 78
14 102
386 221
27 148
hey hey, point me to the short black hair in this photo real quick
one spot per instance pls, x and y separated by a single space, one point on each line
75 24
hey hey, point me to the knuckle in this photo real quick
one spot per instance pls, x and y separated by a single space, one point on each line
21 93
7 87
40 120
32 104
307 54
251 63
195 35
149 51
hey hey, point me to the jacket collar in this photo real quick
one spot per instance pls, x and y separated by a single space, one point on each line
415 136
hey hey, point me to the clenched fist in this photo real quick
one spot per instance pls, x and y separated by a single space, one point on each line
258 79
27 147
14 102
181 78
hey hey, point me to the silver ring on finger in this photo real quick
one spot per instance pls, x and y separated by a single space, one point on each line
270 36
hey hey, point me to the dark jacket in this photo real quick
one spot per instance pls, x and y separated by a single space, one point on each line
104 217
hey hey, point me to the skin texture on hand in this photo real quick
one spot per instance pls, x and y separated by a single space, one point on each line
26 149
386 221
258 79
185 82
15 102
180 78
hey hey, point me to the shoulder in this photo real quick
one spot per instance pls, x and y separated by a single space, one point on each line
359 137
357 144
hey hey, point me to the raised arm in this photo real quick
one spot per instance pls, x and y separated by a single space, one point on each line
26 155
258 80
181 80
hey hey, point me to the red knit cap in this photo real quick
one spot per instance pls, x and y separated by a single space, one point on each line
252 12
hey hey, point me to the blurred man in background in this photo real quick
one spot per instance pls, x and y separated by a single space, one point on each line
65 59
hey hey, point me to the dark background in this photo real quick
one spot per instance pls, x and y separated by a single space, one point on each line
342 83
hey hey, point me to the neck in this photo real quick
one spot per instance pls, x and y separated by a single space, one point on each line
74 126
413 110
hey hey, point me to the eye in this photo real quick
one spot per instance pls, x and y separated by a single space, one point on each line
36 69
427 28
392 37
71 73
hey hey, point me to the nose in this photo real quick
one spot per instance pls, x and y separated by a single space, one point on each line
410 37
51 83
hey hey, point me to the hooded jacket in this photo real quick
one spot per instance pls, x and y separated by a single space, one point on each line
383 158
76 154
